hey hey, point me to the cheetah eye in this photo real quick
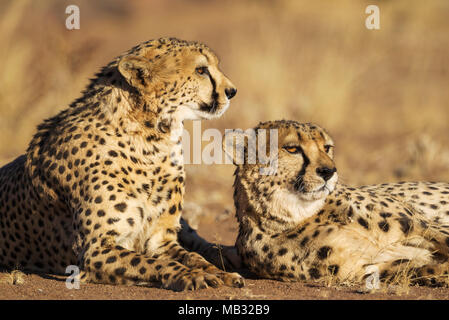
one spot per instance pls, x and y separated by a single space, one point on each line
202 70
292 149
328 148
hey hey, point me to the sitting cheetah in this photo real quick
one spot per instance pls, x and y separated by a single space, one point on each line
299 224
101 184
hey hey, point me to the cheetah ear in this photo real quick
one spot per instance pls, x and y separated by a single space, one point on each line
240 146
136 71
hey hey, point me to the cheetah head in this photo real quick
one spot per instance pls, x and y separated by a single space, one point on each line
303 172
177 79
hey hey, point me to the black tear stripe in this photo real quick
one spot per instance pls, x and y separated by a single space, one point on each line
303 169
214 104
140 77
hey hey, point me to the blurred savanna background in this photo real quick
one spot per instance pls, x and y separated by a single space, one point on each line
382 94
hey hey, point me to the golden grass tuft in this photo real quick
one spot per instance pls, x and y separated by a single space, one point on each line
15 277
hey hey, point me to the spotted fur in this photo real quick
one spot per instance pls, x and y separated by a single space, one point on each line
101 184
300 224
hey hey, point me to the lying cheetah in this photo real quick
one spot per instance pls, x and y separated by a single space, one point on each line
299 224
101 184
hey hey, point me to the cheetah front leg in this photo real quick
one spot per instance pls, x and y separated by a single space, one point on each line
224 257
194 260
112 264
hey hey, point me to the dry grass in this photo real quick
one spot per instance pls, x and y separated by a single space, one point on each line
398 283
15 277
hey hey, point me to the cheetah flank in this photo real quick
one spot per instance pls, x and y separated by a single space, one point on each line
299 224
101 184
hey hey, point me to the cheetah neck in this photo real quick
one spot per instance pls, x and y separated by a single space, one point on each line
114 112
148 112
152 117
277 212
293 209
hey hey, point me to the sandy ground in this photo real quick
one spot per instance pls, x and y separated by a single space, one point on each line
43 287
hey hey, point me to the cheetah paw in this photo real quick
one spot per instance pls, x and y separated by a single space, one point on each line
194 280
232 279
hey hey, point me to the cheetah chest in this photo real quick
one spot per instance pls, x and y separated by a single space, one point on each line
152 218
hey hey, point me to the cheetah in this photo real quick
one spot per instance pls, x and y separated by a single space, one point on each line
299 223
101 184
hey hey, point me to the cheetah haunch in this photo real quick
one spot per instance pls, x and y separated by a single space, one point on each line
299 224
101 184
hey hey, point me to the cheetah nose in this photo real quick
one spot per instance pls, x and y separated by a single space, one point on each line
325 172
230 92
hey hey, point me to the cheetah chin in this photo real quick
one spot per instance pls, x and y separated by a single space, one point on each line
205 112
213 110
